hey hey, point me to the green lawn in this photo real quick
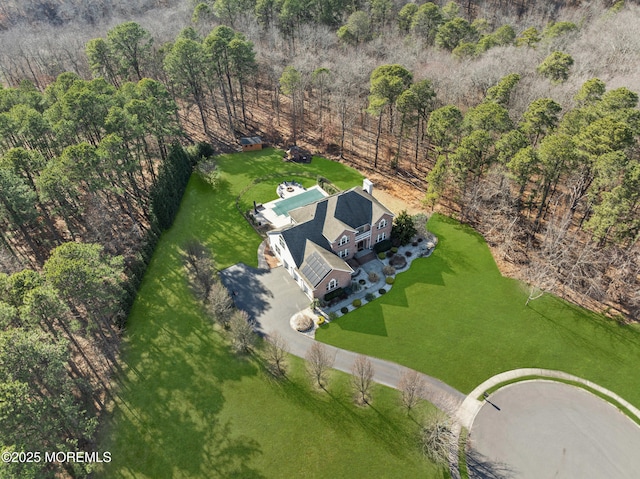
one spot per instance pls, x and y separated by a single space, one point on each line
185 406
454 316
212 216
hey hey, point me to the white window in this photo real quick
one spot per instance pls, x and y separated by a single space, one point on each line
333 284
282 243
344 240
382 223
344 253
381 237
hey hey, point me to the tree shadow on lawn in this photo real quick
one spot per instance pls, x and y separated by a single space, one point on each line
165 419
429 270
368 320
339 413
257 164
598 327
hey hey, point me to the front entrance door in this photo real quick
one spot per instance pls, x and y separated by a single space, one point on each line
360 245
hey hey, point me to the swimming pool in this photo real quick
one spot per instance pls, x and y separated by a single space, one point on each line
283 207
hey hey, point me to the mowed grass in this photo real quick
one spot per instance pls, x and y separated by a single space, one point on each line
212 216
186 407
454 316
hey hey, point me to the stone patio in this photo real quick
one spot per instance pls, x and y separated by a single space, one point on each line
267 213
423 249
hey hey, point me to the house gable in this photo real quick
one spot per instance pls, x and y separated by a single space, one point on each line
314 239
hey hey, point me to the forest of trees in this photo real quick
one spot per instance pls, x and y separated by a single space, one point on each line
521 119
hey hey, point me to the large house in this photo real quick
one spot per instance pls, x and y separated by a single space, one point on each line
324 235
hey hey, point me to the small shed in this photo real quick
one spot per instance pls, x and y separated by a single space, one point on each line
251 143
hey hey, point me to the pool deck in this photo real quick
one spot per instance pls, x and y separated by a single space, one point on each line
276 212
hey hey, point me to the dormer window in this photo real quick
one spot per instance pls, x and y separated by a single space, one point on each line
344 240
382 223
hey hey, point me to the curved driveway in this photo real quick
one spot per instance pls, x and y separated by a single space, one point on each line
541 429
547 429
271 297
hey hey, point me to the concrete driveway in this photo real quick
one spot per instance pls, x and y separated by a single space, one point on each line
546 429
271 297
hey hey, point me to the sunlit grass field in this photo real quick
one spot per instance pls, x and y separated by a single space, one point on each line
187 407
454 316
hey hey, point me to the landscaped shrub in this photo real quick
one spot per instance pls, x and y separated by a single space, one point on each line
373 277
415 243
356 303
382 291
389 270
382 246
389 280
303 323
394 250
407 253
370 297
344 310
362 282
398 261
207 168
381 255
403 228
333 294
390 254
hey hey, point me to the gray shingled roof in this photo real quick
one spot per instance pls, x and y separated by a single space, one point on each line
250 140
324 221
296 236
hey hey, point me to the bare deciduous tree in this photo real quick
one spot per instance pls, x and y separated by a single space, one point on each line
436 438
540 271
362 379
412 387
319 361
275 352
199 268
242 333
219 304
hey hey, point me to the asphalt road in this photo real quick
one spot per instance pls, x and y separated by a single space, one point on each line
545 429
